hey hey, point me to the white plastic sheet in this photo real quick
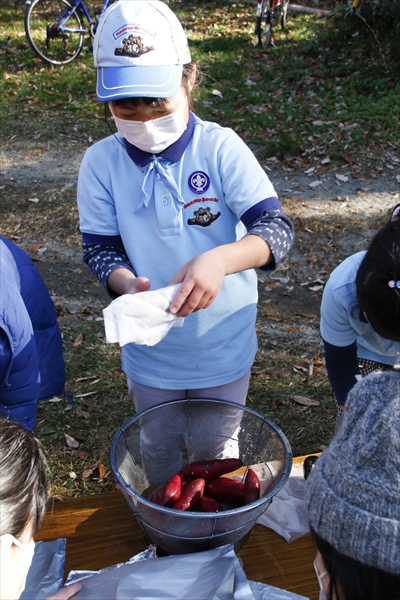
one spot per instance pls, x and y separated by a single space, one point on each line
287 513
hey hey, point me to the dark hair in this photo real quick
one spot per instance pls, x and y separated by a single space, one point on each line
351 580
23 489
128 102
381 264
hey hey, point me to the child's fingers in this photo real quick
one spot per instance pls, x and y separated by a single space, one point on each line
180 299
139 284
197 300
66 592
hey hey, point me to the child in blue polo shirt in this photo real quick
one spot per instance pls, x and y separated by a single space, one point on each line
360 313
173 199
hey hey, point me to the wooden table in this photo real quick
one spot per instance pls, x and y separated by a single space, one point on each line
101 531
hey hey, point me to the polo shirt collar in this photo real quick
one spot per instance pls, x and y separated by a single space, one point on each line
173 153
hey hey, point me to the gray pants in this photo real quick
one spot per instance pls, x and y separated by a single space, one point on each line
166 440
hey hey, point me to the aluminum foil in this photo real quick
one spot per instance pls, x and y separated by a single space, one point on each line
212 575
46 573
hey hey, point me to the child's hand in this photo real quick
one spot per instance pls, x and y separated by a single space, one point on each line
124 281
201 279
66 592
202 276
138 284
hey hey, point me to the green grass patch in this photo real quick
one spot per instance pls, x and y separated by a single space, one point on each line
326 87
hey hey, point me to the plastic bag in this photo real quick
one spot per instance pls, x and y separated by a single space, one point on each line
287 514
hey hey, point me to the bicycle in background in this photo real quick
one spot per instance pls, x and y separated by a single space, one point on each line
269 13
55 29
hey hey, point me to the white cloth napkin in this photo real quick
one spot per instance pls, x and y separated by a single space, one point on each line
141 318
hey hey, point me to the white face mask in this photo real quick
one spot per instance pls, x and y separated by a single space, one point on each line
155 135
322 593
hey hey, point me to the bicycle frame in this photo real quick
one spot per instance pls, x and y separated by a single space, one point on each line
56 29
269 12
78 5
274 4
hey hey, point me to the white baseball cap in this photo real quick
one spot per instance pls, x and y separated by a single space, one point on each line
139 50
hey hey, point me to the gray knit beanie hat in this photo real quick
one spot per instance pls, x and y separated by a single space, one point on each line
353 491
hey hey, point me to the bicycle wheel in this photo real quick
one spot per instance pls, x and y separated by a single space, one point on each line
53 34
265 29
284 8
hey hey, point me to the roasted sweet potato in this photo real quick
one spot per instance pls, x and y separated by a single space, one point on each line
170 493
191 494
209 504
251 487
225 488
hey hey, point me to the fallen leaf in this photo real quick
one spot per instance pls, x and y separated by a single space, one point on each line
78 340
85 378
341 177
71 442
347 158
34 248
78 454
305 401
35 200
87 472
77 436
315 184
300 368
102 471
114 374
82 413
217 93
316 288
55 399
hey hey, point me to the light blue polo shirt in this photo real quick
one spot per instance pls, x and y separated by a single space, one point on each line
190 206
340 316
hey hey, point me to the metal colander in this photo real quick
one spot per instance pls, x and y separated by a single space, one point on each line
155 444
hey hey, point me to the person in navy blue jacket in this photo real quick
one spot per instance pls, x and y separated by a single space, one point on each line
31 361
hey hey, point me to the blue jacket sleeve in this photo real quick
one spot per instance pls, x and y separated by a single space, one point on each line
43 316
19 381
342 368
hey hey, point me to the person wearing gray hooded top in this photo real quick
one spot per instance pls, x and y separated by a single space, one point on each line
353 496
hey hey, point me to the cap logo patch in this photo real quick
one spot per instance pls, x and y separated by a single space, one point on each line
199 182
133 47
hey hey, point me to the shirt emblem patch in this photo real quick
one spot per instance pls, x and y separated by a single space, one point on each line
203 217
199 182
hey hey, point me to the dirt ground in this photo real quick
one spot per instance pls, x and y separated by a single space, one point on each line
335 209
